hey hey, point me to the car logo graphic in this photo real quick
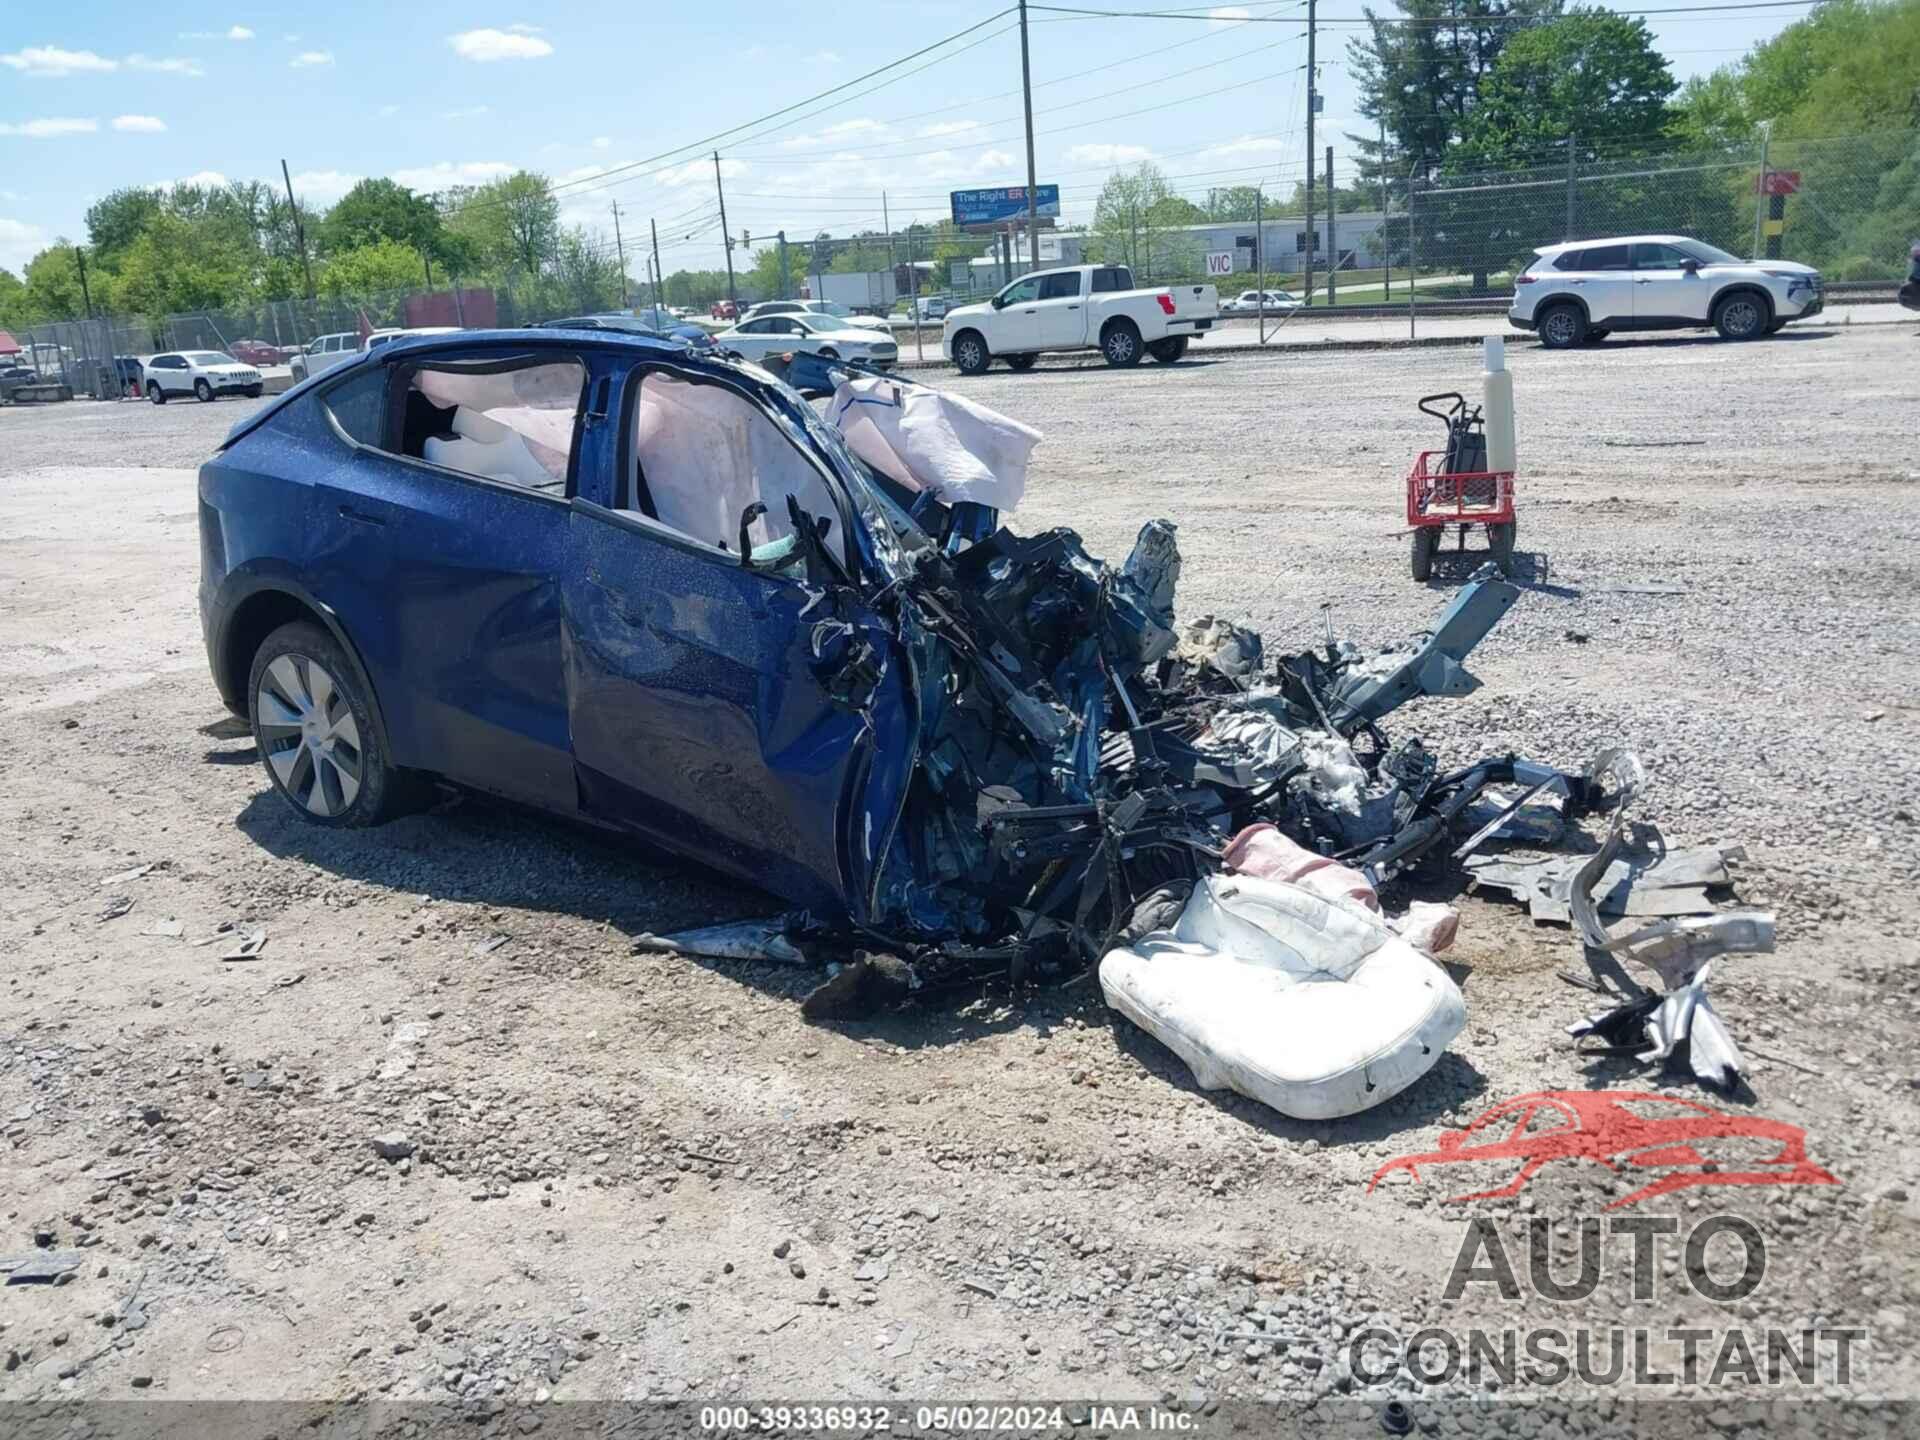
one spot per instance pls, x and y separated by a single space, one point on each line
1628 1131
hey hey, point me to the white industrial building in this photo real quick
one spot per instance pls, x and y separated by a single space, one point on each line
1358 236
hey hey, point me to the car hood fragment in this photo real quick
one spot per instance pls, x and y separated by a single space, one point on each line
1095 783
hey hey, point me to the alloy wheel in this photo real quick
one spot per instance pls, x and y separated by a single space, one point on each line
1560 327
312 740
1743 317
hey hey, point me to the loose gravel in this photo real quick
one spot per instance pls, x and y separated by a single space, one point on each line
450 1138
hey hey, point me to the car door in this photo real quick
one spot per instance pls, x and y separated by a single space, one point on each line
175 376
1016 328
1602 277
1665 289
1062 321
752 338
445 568
719 708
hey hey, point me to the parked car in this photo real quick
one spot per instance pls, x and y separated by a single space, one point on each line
257 352
324 352
132 372
826 309
1247 302
1910 292
1576 293
821 335
202 373
1083 307
725 310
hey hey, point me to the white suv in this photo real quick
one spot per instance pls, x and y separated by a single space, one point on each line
324 353
205 373
1588 289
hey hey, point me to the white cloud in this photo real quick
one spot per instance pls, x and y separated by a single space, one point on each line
206 179
601 142
823 57
839 134
992 160
20 242
445 173
695 171
1228 14
239 32
472 112
945 128
522 28
516 42
166 66
308 58
51 62
1089 156
139 124
386 110
50 129
323 187
1252 147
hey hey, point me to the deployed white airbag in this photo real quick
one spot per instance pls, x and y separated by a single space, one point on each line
929 440
1310 1006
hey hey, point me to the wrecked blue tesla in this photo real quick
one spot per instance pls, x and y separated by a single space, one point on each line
661 592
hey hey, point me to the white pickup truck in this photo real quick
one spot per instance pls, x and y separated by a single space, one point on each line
1084 307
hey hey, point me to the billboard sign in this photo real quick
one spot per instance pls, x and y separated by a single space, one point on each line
1219 262
1004 204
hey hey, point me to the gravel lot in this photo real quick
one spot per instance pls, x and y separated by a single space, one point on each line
624 1176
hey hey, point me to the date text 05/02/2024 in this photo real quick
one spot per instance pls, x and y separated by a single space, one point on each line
941 1419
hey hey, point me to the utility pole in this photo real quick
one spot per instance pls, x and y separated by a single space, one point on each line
886 223
80 259
621 246
1569 234
1260 255
1333 229
913 298
785 273
1386 208
1313 101
1026 90
299 229
733 299
660 276
1760 189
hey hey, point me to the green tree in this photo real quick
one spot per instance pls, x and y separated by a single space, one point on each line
1420 73
762 278
53 284
513 223
1237 202
586 271
169 269
13 299
115 221
1134 223
372 275
381 209
1591 74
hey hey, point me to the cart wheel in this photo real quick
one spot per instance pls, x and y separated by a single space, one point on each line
1425 538
1500 542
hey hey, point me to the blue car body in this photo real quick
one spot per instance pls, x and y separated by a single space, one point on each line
552 649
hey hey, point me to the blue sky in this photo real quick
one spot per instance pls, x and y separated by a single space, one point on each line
100 95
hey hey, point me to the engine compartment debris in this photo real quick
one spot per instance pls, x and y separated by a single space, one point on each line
1074 780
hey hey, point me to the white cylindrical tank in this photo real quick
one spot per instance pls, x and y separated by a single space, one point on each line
1496 388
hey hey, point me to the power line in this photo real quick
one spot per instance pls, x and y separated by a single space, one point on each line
1415 22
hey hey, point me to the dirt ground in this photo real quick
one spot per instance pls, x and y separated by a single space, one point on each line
625 1176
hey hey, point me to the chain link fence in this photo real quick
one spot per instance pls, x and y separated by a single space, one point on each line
78 354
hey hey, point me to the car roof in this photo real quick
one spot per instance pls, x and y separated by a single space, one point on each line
1614 240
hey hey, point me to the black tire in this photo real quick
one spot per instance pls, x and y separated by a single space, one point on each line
1594 337
970 353
254 392
1426 540
1563 327
1169 350
299 373
1022 362
827 352
1500 542
155 393
381 790
1774 327
1120 343
1742 315
203 391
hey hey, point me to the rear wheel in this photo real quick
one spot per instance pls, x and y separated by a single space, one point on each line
1563 327
970 353
1022 362
203 390
1121 344
155 393
254 392
1169 350
1741 316
315 731
1500 542
1426 540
